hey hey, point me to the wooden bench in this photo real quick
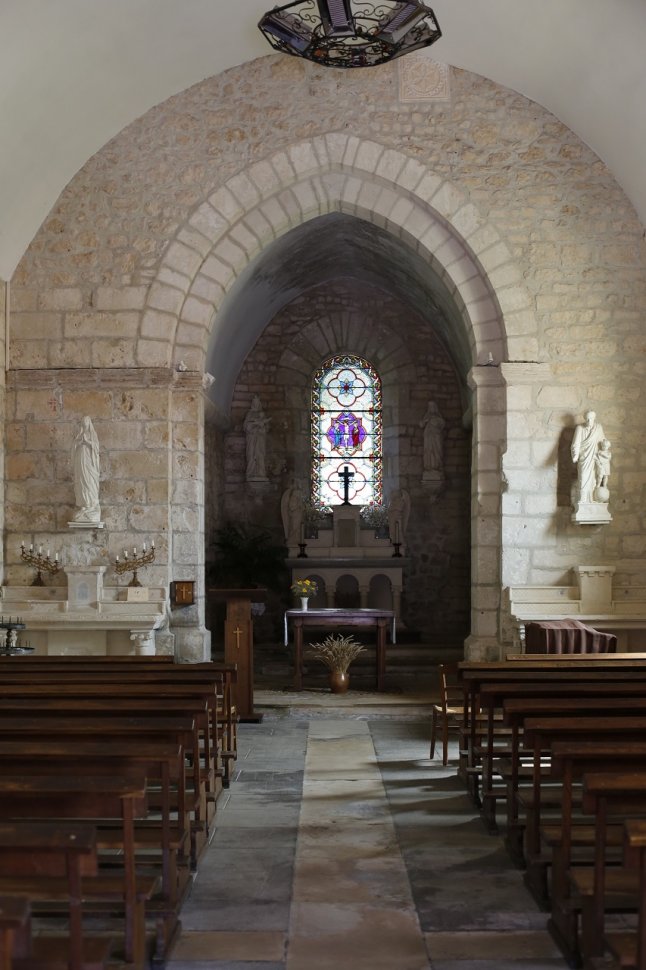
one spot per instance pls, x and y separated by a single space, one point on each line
218 678
15 931
157 759
629 946
39 853
600 889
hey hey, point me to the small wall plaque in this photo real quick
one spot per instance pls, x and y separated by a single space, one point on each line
182 592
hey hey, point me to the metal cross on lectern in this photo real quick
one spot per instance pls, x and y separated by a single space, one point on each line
346 475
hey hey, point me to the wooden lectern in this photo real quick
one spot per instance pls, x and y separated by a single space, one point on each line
238 643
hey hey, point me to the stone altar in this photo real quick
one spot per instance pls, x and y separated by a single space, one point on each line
88 617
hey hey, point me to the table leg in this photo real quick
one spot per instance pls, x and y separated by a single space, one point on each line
298 655
381 653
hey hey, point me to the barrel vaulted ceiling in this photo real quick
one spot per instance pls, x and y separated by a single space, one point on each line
75 72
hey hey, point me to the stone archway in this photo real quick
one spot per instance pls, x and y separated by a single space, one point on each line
204 270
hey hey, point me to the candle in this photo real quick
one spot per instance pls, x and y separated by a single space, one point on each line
125 554
48 553
56 558
40 550
302 532
144 548
117 559
396 531
31 548
134 551
152 544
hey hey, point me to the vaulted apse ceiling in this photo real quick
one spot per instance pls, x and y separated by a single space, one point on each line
329 247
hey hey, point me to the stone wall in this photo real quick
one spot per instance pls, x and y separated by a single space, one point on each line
346 317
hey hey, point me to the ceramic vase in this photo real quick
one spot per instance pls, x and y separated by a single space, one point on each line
304 600
339 681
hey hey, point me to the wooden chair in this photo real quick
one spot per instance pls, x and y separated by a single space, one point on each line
450 711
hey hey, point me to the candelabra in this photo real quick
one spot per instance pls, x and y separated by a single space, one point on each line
39 562
9 637
135 562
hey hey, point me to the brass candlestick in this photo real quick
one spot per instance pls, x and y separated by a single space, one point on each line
39 562
134 562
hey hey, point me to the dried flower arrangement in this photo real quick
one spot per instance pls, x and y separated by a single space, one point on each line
336 652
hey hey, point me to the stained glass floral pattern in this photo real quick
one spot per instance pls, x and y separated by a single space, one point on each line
346 431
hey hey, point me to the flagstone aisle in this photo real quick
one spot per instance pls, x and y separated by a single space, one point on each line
340 846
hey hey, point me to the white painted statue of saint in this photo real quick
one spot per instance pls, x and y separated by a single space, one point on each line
433 425
86 468
585 447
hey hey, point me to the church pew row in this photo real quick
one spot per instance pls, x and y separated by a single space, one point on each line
621 741
527 670
111 669
62 707
43 853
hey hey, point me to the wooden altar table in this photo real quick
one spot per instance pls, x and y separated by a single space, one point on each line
381 620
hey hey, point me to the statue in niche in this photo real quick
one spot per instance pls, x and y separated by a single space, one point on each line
291 510
255 428
398 513
85 465
591 454
585 446
433 425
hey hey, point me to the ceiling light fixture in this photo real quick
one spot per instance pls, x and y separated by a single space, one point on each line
350 33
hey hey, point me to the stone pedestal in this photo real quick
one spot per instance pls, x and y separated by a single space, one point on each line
84 586
595 588
591 513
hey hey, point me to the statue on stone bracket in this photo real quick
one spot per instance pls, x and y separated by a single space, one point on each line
255 428
591 455
433 425
398 514
86 468
292 512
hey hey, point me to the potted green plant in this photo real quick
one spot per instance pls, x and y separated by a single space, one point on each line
337 653
248 557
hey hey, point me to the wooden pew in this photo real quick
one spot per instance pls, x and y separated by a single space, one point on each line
158 759
38 853
607 795
220 678
492 695
15 930
571 760
629 946
95 799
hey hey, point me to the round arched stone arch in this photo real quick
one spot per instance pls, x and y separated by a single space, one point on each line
204 270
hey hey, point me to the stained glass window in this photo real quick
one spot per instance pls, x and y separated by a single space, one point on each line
346 432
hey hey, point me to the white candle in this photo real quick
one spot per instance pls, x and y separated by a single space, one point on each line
40 550
56 558
396 531
144 547
125 554
117 559
134 551
48 553
302 533
31 548
153 544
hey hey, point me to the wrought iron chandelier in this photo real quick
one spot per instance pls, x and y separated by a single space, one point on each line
350 33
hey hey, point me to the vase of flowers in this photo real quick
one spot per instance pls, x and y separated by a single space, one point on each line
304 588
337 653
375 515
